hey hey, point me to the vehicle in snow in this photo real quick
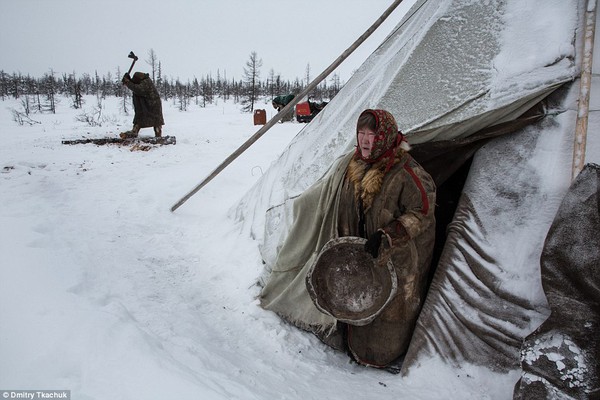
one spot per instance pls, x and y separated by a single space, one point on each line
307 110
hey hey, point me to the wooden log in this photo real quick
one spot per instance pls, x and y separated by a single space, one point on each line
164 140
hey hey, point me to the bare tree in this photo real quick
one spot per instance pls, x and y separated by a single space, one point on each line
207 90
75 91
152 60
161 83
121 92
182 95
251 82
335 85
218 84
307 74
4 85
271 83
49 89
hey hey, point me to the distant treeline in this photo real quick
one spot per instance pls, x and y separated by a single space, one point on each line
38 94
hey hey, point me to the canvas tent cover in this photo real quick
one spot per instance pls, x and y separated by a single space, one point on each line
456 73
446 72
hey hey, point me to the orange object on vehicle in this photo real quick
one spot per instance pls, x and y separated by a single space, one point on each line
303 109
303 113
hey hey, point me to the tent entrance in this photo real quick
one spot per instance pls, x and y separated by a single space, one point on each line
447 198
449 163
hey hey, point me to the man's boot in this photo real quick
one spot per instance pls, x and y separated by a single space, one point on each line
133 133
158 131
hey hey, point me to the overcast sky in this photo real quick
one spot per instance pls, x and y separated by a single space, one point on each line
191 38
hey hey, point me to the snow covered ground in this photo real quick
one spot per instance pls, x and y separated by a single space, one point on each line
107 293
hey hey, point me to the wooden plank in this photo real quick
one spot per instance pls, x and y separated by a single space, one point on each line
288 106
584 91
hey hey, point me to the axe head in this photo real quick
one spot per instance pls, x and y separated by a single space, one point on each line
131 55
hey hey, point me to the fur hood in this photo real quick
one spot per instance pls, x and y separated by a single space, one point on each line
367 178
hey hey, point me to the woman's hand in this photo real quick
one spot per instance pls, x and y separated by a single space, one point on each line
374 242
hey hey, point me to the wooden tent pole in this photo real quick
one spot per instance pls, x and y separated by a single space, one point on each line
291 104
584 90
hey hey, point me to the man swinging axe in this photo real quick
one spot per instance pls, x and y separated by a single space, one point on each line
146 102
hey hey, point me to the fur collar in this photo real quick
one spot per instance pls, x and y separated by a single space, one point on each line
367 178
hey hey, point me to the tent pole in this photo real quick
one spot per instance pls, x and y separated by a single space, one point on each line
291 104
584 90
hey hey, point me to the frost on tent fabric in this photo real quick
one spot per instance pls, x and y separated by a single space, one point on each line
561 358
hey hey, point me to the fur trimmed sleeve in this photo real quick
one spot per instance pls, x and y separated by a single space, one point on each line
417 202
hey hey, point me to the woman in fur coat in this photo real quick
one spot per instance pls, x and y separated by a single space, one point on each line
377 192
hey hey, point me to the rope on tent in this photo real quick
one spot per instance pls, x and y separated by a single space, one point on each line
584 90
291 104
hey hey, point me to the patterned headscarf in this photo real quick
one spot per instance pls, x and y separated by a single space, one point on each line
387 137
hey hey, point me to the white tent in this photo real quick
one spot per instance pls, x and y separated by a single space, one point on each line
456 74
446 71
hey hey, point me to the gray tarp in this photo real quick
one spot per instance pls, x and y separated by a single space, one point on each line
561 359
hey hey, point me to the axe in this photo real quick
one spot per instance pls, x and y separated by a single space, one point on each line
135 58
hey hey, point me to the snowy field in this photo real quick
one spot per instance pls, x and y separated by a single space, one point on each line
107 293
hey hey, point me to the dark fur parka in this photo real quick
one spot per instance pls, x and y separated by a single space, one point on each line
400 201
146 101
